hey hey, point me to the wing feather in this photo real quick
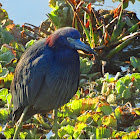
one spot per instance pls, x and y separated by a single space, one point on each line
29 76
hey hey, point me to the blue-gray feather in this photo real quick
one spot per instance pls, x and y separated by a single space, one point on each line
47 74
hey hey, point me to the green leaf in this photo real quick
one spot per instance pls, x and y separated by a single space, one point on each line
67 111
66 130
119 48
109 121
137 111
11 69
90 132
126 80
89 103
87 35
68 121
0 68
132 135
7 80
133 1
126 93
120 86
4 72
9 132
76 106
5 36
3 115
103 132
30 43
4 91
120 134
85 65
9 98
125 4
54 18
96 116
3 98
41 121
134 28
105 108
3 94
134 62
118 112
117 31
23 135
6 57
3 14
52 3
136 81
84 117
4 49
119 27
78 128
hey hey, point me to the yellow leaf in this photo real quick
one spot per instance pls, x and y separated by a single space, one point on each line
0 128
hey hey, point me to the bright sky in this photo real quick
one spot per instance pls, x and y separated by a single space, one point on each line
30 11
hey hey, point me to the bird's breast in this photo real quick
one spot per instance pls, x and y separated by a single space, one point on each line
61 81
65 67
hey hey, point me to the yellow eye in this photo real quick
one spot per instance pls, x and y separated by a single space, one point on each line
70 39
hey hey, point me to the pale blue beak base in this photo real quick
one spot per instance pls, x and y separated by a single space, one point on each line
79 45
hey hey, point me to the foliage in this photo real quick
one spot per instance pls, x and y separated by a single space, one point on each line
103 108
98 30
135 63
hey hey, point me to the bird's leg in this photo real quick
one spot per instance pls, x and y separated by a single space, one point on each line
55 125
18 124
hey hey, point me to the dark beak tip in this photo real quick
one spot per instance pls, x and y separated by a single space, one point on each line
93 52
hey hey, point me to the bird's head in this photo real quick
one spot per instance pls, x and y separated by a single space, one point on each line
67 37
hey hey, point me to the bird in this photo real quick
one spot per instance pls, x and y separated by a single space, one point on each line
47 74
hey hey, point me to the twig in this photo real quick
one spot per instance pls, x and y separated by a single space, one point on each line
11 48
125 41
11 62
29 28
71 4
112 45
97 20
111 22
31 25
86 10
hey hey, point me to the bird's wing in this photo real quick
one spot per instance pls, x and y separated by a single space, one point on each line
29 75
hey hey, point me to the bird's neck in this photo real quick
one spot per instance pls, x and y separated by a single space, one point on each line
67 55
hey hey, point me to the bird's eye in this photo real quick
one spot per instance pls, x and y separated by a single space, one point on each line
70 39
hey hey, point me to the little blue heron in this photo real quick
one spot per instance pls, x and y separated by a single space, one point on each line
47 75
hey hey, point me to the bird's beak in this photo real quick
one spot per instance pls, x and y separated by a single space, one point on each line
79 45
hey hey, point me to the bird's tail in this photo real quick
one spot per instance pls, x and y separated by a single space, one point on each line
17 114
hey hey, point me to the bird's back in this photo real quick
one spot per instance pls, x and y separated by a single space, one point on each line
44 79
